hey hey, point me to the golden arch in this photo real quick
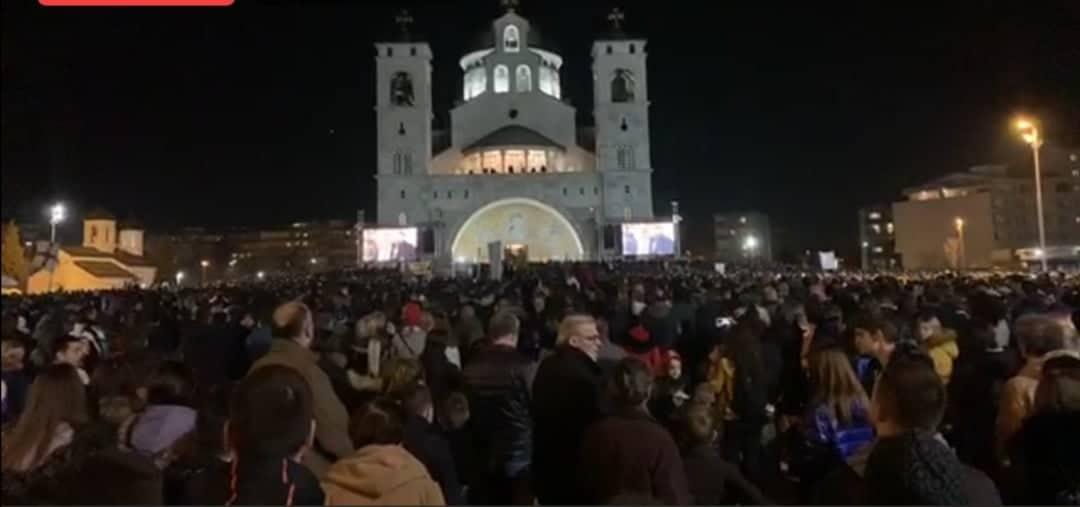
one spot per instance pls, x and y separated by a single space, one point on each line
544 233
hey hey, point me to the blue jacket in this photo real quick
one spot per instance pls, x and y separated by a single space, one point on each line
822 429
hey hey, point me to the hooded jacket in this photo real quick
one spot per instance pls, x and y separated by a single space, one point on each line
381 475
943 350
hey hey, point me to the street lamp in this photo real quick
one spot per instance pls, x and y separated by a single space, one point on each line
750 244
962 262
260 275
205 264
57 214
1030 134
179 277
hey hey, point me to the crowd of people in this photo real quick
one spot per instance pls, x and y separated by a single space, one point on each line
587 383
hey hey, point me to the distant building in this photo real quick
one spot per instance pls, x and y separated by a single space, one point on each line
986 216
108 259
877 238
744 236
240 253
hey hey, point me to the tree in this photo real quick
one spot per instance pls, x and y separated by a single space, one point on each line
14 259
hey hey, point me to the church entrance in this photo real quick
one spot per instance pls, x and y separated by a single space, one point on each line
530 231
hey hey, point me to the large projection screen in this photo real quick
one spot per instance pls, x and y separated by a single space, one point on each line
390 244
648 238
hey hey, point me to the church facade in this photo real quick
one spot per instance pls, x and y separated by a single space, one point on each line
514 167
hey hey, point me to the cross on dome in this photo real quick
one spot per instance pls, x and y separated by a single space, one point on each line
403 20
616 18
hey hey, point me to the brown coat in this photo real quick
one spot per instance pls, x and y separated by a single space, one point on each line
1017 403
331 419
629 452
381 475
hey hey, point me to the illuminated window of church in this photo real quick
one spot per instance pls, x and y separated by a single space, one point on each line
514 161
524 79
547 80
537 159
471 163
511 39
493 161
475 82
502 79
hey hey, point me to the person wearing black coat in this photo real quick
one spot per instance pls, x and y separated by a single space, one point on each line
712 480
498 380
423 439
568 396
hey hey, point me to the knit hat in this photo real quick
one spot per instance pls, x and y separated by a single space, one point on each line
410 315
915 468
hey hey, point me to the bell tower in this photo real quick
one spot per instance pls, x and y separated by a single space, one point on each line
403 103
621 113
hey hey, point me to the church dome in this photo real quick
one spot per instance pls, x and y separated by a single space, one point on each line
485 39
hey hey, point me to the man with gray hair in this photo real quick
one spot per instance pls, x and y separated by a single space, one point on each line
568 396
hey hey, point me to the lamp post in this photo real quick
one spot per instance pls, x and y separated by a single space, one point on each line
1030 134
205 264
676 219
57 213
179 278
962 253
750 244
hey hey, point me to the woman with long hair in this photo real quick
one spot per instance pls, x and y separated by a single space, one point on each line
55 408
837 421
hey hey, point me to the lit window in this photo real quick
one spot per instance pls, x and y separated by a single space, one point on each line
876 228
875 215
1076 172
889 227
878 249
475 82
524 79
502 79
549 81
742 220
511 39
624 157
537 160
626 213
493 161
514 160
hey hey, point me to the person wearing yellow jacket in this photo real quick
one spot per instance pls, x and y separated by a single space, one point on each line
940 344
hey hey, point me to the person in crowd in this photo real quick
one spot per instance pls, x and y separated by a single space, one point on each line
381 471
293 332
711 480
628 450
15 377
423 439
940 344
642 346
875 342
569 394
440 374
498 381
609 353
1047 447
837 423
205 452
71 350
415 324
54 454
738 378
670 393
271 426
168 416
1037 336
910 463
454 419
469 329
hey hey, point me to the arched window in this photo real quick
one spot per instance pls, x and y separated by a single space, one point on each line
502 79
475 82
524 79
549 81
401 89
402 220
511 39
622 86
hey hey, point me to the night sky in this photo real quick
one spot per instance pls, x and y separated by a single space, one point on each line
262 113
